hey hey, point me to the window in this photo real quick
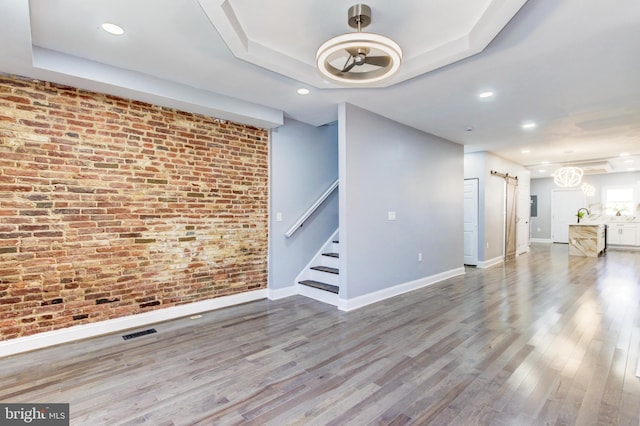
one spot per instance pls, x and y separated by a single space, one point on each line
619 200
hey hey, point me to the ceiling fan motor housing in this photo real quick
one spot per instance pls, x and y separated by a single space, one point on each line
359 16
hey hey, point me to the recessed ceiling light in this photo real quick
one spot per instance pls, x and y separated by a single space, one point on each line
624 154
112 28
303 91
486 94
545 162
632 169
529 125
542 170
628 161
525 151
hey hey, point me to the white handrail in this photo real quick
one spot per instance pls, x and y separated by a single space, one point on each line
311 209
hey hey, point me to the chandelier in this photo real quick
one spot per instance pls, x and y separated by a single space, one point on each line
588 189
568 177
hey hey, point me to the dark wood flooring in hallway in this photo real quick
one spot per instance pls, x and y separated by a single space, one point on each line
545 339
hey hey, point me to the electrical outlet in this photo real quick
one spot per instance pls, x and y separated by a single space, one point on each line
279 217
391 215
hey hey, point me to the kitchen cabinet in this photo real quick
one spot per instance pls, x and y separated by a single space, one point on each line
622 234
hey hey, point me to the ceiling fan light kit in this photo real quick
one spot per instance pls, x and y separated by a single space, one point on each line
359 59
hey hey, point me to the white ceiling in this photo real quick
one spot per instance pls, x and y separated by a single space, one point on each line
457 29
572 66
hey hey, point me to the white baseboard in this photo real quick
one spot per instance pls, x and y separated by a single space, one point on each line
281 293
84 331
303 290
491 262
377 296
541 240
620 247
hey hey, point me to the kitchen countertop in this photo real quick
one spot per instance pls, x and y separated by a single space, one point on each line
597 220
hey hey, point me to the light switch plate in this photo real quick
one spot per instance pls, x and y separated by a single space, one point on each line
391 215
279 217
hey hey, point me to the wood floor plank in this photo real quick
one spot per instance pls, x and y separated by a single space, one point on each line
545 339
629 409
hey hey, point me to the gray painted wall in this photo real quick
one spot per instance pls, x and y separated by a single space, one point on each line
386 166
491 198
541 226
304 163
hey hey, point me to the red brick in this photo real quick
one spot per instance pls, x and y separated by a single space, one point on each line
73 226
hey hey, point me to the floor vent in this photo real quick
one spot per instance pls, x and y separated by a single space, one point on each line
139 333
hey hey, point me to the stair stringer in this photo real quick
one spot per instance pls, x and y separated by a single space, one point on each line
307 274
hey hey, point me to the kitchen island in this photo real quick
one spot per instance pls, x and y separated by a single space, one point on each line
586 239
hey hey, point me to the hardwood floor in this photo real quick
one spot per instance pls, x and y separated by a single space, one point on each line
545 339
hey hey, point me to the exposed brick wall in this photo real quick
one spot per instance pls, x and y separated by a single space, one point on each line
110 207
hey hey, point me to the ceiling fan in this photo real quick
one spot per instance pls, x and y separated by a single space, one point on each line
360 58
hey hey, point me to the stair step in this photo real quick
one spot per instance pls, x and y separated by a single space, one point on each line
325 269
321 286
336 255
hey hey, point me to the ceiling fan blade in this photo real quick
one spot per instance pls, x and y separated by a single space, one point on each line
379 61
350 58
348 67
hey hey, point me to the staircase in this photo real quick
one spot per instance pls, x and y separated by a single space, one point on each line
321 280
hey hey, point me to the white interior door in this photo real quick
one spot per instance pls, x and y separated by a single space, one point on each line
471 221
524 212
564 206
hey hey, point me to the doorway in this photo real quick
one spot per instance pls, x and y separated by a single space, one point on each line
471 222
510 222
564 206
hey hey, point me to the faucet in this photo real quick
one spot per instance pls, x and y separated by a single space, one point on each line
578 214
